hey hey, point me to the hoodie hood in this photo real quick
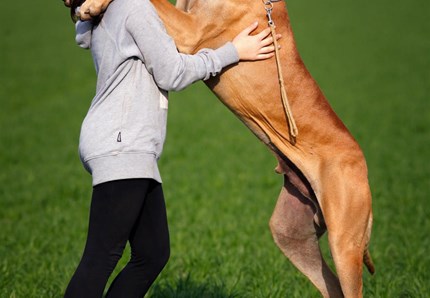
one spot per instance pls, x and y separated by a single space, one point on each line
84 32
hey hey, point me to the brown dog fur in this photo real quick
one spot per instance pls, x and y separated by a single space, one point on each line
326 185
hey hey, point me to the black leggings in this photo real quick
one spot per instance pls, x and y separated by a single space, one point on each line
122 210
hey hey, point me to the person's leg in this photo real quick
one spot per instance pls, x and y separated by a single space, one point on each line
150 248
115 208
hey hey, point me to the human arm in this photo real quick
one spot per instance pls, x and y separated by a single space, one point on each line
172 70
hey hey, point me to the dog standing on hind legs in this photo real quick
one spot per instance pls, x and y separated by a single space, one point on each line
325 174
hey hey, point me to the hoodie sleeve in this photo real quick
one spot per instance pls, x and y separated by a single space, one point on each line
170 69
83 34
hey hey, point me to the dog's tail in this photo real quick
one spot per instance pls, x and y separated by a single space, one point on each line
367 259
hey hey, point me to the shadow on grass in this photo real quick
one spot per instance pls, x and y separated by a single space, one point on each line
187 288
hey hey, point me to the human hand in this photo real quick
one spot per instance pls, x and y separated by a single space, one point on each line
254 47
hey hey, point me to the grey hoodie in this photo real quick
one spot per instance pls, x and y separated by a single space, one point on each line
122 135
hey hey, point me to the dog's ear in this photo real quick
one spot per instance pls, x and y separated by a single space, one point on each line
185 5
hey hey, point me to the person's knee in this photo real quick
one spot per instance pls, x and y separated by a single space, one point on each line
154 262
102 257
160 261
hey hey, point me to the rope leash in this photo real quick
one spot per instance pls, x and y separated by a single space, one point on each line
268 6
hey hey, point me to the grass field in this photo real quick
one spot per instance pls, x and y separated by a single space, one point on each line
372 59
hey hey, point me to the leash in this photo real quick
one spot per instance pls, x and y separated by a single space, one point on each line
268 6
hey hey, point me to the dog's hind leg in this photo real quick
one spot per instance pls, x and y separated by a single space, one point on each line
346 204
296 234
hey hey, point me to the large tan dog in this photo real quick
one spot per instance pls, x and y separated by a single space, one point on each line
326 185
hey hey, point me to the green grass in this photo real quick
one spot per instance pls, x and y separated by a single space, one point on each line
370 58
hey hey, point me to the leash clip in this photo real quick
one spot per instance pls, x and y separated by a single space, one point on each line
268 6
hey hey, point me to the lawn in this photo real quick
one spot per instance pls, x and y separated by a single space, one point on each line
372 60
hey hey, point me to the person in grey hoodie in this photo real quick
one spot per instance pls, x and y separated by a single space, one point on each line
122 138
